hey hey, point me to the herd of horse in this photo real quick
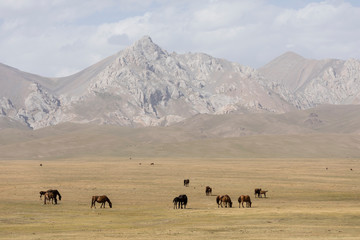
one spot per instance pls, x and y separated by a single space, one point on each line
179 202
221 200
225 201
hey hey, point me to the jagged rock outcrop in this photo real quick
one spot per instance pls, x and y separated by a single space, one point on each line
148 86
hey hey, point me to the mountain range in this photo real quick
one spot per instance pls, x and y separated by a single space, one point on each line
144 85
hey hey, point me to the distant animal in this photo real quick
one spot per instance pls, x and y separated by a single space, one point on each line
350 169
49 196
180 201
152 163
262 192
208 191
244 198
224 200
176 202
186 182
257 192
100 199
54 195
40 164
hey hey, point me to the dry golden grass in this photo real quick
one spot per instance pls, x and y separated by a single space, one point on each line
305 201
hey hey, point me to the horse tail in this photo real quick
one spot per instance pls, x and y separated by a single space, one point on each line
92 201
56 192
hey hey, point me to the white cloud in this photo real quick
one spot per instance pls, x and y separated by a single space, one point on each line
59 37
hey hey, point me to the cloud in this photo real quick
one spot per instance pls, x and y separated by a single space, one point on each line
58 37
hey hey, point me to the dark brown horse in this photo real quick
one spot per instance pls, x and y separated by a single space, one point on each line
180 201
53 194
208 191
176 202
244 198
257 192
186 182
224 199
100 199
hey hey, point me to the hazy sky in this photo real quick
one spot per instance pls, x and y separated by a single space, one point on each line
61 37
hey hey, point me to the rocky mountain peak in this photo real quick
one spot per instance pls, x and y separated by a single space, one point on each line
144 48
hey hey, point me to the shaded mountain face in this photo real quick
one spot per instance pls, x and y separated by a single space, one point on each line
144 85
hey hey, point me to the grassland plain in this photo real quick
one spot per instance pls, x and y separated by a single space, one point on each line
305 201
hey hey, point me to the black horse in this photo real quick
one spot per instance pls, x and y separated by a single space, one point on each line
208 191
180 201
257 192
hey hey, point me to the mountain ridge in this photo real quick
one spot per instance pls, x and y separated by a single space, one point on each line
144 85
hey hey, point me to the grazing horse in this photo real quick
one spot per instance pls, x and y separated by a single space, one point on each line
49 196
183 199
208 191
263 193
244 198
54 194
100 199
186 182
257 192
176 202
224 199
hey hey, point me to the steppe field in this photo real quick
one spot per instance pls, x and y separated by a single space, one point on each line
305 200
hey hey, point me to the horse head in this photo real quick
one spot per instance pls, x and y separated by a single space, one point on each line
42 193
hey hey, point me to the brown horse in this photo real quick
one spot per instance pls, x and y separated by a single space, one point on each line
244 198
224 199
53 194
100 199
208 191
263 193
257 192
49 196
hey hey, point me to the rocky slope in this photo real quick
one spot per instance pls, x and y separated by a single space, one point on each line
306 83
144 85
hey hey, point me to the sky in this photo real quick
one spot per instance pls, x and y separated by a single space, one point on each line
55 38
